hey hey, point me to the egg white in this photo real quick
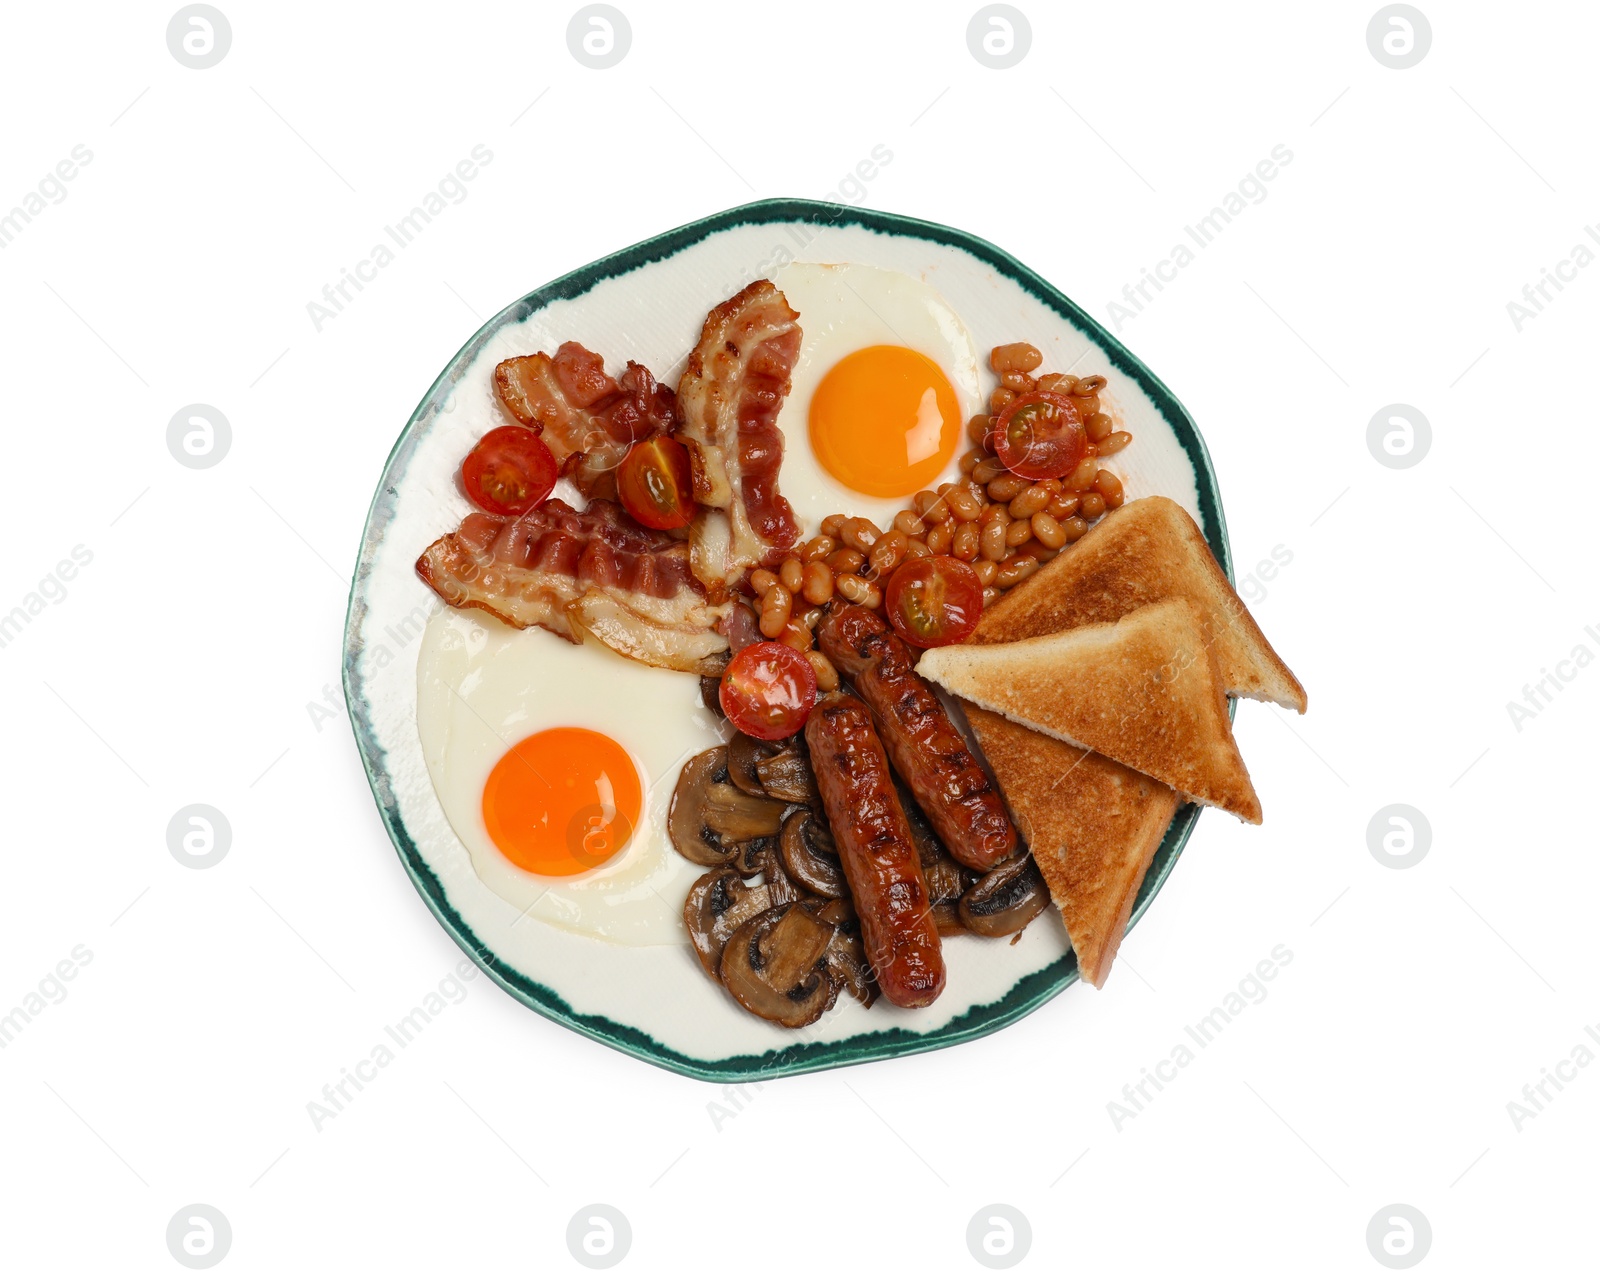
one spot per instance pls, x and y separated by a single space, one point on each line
482 686
844 308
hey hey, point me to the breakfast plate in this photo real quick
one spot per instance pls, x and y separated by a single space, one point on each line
436 694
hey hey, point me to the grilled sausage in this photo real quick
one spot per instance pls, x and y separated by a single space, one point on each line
956 794
880 860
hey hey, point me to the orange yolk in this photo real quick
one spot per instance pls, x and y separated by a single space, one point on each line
885 421
562 801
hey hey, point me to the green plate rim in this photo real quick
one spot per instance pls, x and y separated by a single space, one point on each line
1029 992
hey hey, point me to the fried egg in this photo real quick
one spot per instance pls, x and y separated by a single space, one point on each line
880 395
555 765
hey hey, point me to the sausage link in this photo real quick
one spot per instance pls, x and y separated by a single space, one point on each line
880 860
960 800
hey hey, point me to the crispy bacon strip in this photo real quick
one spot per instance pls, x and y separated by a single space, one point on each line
728 401
587 418
568 572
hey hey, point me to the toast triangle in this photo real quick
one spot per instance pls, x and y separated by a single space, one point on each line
1143 691
1092 824
1147 550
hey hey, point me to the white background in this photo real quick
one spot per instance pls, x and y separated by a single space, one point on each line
179 665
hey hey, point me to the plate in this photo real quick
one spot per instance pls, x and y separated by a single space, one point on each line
647 303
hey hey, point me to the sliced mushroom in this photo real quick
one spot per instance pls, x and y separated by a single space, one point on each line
809 854
743 755
718 904
709 818
1005 900
773 965
947 916
786 775
711 696
749 857
780 885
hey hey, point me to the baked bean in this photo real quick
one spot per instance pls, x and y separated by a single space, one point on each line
916 549
762 580
1092 506
986 569
939 538
1017 382
860 533
817 586
965 543
993 513
1047 530
991 595
1108 485
1073 528
1087 405
1016 571
1043 553
888 553
812 617
987 470
964 505
796 634
1091 384
845 561
1098 426
969 460
1114 443
907 523
1083 476
1058 382
979 428
1030 502
1063 506
1000 398
855 589
776 605
1018 356
1007 487
817 548
924 501
831 525
993 545
790 574
827 675
1017 533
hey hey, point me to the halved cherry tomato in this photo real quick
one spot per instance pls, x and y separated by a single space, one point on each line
768 690
1040 435
934 601
509 472
654 483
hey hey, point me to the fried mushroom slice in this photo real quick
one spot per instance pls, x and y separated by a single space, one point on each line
718 904
786 774
744 754
809 854
709 819
1005 899
846 958
773 965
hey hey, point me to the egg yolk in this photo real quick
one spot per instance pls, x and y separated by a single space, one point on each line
884 421
562 801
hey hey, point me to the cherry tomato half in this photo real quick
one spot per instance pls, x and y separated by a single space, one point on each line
654 483
1040 435
768 690
509 472
934 601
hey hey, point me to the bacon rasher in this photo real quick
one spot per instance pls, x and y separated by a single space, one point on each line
728 400
588 419
569 572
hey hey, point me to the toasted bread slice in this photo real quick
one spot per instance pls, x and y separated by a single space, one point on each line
1143 691
1093 826
1148 550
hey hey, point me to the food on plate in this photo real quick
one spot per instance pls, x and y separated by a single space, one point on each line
597 571
880 861
842 822
929 753
728 401
1150 551
1092 824
1142 690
